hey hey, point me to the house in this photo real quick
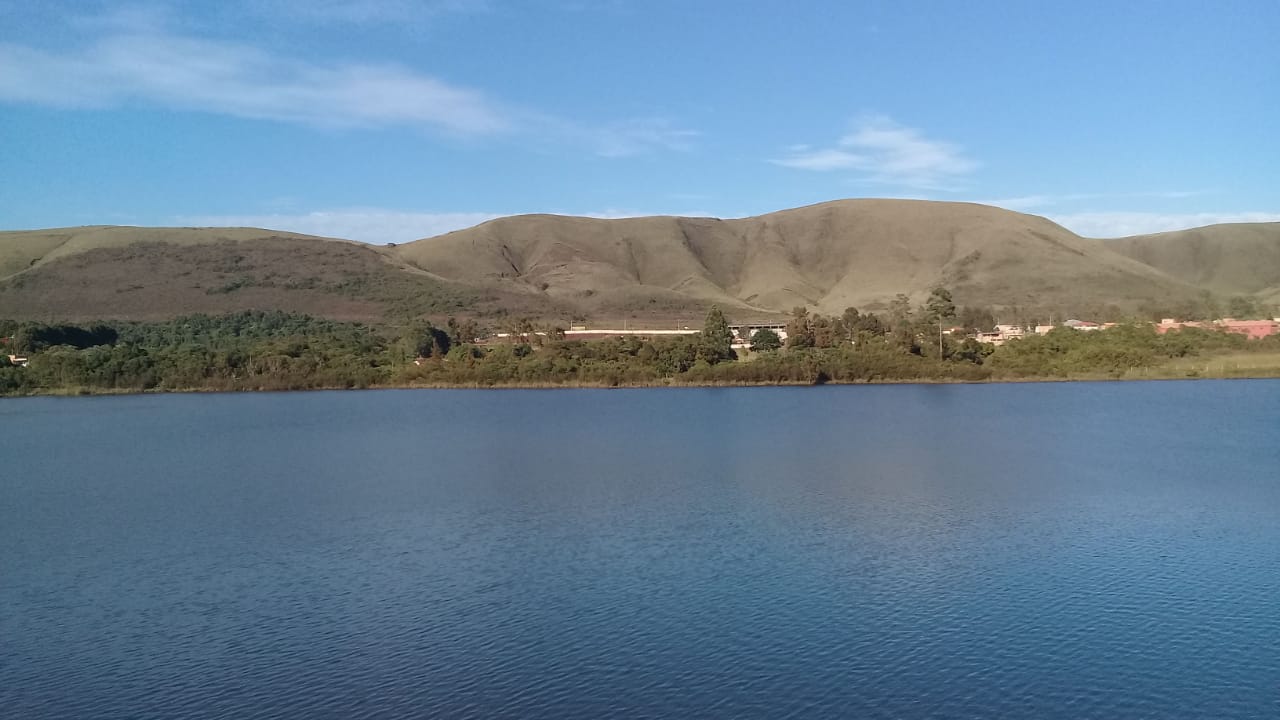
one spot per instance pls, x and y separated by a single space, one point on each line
743 333
1002 334
1252 329
19 360
993 338
1167 324
1082 325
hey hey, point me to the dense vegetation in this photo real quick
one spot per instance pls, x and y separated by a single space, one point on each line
279 351
242 351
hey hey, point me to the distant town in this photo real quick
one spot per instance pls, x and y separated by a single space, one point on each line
1000 334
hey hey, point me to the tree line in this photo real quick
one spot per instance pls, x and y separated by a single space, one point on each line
282 351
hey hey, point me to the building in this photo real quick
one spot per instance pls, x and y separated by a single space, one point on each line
1167 324
1252 329
19 360
1002 334
1082 325
742 333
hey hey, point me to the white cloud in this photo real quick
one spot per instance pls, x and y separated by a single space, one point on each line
884 152
1120 224
1025 203
638 136
363 12
136 61
369 225
234 79
622 213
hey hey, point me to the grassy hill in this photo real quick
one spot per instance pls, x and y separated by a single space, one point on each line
654 270
828 256
1234 259
153 273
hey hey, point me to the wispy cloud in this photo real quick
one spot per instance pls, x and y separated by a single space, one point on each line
1033 202
622 213
234 79
635 137
1120 224
138 61
363 12
882 151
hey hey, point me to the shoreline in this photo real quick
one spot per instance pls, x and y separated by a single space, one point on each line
110 392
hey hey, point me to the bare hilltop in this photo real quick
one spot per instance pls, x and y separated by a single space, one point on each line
825 257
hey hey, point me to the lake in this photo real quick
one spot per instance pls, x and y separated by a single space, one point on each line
1085 550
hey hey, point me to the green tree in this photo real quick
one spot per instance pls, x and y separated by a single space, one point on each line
462 331
422 339
869 324
828 332
799 329
900 311
716 338
764 340
940 308
850 319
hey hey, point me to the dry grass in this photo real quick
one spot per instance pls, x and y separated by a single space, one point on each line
1245 364
153 280
1237 259
648 271
828 256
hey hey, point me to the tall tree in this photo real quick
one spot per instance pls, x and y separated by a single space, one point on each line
850 318
899 311
716 337
827 332
940 308
799 329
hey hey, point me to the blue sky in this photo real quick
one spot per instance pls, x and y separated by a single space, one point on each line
390 120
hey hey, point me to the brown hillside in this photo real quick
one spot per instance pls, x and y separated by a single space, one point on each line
653 270
1234 259
827 256
152 273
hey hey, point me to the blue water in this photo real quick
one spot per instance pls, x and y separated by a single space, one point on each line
998 551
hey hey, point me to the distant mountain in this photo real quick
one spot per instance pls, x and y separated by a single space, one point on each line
660 269
152 273
1235 259
828 256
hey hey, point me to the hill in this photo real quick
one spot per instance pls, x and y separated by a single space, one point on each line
1232 259
827 256
153 273
648 270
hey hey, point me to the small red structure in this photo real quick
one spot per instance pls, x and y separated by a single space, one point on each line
1253 329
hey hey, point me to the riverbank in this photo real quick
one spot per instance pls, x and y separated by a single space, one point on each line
276 352
1146 375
